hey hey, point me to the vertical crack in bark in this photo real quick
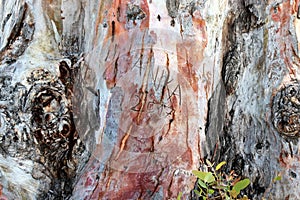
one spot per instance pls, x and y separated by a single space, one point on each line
157 182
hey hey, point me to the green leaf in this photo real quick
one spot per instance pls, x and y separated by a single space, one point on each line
220 165
277 178
197 192
209 178
241 185
202 184
199 174
179 196
211 191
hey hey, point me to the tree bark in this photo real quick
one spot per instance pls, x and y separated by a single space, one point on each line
123 99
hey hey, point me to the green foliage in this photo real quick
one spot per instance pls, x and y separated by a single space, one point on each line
241 185
220 165
277 178
237 187
179 196
214 184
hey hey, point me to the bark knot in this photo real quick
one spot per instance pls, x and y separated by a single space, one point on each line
286 110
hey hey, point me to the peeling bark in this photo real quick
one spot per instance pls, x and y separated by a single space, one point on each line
123 99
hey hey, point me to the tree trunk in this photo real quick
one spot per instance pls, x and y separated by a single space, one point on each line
122 99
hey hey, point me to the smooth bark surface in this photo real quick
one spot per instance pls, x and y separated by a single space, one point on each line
122 99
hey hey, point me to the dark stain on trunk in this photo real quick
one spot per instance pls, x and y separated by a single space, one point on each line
173 6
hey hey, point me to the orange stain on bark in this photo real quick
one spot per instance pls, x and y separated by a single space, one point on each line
281 14
145 7
116 13
119 38
190 53
200 26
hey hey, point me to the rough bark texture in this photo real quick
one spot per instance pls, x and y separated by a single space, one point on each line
120 99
